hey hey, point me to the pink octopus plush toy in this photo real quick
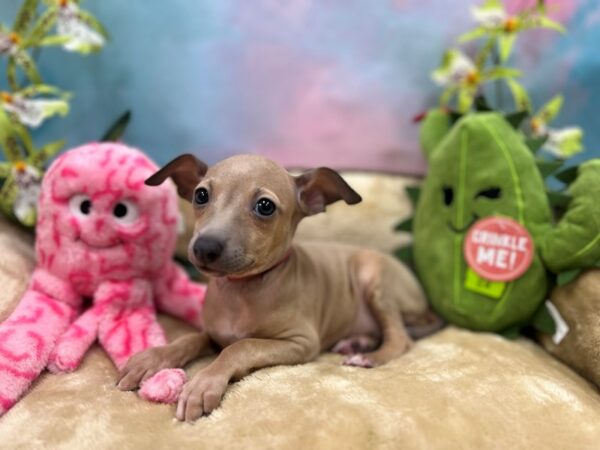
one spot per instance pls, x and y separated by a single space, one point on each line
104 246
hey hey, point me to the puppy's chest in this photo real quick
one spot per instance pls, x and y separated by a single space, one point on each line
229 321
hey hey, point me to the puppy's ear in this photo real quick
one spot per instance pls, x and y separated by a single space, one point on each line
186 171
318 188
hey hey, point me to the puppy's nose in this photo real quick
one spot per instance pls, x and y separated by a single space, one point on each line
208 249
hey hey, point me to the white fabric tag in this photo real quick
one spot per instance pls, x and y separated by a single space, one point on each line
561 326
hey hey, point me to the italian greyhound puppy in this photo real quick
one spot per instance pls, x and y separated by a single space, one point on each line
272 301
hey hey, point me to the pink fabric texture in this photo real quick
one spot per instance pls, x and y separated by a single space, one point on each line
104 246
164 386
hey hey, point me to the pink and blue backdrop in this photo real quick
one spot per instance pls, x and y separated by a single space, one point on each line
306 82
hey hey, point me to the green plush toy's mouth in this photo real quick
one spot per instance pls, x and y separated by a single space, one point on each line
474 219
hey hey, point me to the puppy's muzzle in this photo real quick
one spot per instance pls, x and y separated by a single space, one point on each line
208 249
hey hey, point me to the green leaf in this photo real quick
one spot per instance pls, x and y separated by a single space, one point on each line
547 168
23 135
50 41
481 103
567 277
117 129
541 5
501 72
506 41
447 95
520 95
465 99
42 26
405 254
25 16
454 117
93 23
550 110
542 321
535 143
39 158
567 175
43 89
558 199
413 193
11 73
8 141
511 333
405 225
26 63
5 168
516 118
477 33
546 22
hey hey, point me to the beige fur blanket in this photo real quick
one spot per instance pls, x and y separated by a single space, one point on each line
456 389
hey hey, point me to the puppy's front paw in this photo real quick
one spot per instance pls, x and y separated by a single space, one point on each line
359 360
142 366
200 396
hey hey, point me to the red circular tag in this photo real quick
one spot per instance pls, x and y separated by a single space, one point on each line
498 249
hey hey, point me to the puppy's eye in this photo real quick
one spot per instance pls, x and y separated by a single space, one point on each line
264 207
201 196
80 205
491 193
126 212
448 195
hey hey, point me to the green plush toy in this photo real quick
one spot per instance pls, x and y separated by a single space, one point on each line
480 168
483 167
574 244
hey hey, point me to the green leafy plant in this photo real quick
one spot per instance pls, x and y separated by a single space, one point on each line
466 79
26 102
472 144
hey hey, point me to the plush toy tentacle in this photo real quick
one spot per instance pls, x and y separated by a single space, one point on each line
164 386
129 326
179 296
72 345
26 339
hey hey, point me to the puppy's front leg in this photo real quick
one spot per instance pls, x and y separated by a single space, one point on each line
143 365
204 391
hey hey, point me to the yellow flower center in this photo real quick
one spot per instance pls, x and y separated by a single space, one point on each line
6 97
14 38
511 24
473 78
63 3
20 166
535 124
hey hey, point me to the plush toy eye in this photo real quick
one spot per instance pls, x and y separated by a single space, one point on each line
80 205
448 195
264 207
201 196
126 211
491 193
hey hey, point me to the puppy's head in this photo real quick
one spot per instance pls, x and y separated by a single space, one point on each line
247 209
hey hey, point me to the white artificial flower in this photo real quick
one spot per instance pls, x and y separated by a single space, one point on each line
8 43
32 112
491 18
564 142
455 69
81 36
28 182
